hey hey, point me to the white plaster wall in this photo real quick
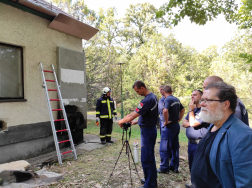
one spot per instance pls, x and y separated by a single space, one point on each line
39 44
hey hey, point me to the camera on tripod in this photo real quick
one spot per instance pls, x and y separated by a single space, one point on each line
126 125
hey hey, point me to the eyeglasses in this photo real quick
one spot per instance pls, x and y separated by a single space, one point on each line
207 101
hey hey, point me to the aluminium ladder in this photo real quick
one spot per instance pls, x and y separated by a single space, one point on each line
59 154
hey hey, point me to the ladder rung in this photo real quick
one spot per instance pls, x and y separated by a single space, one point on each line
61 130
59 120
52 90
54 100
48 71
66 152
64 141
56 109
50 80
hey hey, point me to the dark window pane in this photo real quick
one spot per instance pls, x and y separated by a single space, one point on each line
11 83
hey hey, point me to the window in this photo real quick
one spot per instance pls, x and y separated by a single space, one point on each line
11 72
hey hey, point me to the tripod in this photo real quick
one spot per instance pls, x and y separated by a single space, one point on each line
128 152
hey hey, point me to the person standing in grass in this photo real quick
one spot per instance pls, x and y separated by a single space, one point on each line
147 111
105 109
195 128
173 113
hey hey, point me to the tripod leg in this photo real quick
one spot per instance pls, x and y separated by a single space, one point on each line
128 147
117 161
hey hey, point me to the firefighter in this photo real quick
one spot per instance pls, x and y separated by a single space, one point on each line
105 109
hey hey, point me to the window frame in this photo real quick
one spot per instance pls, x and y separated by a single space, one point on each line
16 99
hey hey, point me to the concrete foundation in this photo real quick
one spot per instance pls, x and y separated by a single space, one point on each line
25 141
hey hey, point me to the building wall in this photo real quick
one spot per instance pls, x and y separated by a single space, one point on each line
29 131
40 45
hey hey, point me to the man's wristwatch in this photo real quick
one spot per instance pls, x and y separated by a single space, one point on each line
190 110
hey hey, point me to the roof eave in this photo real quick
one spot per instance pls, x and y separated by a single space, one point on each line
60 22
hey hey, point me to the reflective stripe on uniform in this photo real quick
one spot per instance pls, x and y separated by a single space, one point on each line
97 112
114 111
103 101
108 135
109 109
111 101
104 116
102 136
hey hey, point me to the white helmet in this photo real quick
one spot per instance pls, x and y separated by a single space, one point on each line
105 90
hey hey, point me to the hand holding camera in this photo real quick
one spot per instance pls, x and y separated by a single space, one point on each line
126 125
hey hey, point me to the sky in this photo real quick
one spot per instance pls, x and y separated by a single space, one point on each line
216 32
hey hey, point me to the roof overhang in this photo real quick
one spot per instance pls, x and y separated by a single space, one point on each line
59 21
72 27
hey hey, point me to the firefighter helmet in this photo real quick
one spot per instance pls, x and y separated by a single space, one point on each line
106 90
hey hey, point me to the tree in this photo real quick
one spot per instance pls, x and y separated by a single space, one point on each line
234 69
140 23
102 54
163 60
199 11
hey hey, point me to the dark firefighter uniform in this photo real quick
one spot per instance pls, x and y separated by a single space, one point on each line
148 110
105 109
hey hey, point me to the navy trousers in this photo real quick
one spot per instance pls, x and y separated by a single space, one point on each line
191 152
169 145
106 129
148 141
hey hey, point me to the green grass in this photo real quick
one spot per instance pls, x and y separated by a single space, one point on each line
91 112
117 131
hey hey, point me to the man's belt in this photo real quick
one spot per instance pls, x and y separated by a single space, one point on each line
170 124
141 126
194 141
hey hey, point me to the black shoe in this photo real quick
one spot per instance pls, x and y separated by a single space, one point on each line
103 142
110 141
189 186
162 171
143 181
176 171
171 168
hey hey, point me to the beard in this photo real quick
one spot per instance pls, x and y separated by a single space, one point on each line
211 117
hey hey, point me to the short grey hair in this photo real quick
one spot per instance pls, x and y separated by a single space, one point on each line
226 93
167 89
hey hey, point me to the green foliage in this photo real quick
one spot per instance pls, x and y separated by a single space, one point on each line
244 15
140 22
162 60
232 67
248 57
159 60
199 11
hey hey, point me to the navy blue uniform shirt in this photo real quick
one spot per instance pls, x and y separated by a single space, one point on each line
174 106
199 131
148 110
241 112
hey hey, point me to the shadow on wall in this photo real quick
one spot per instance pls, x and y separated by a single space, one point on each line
3 125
